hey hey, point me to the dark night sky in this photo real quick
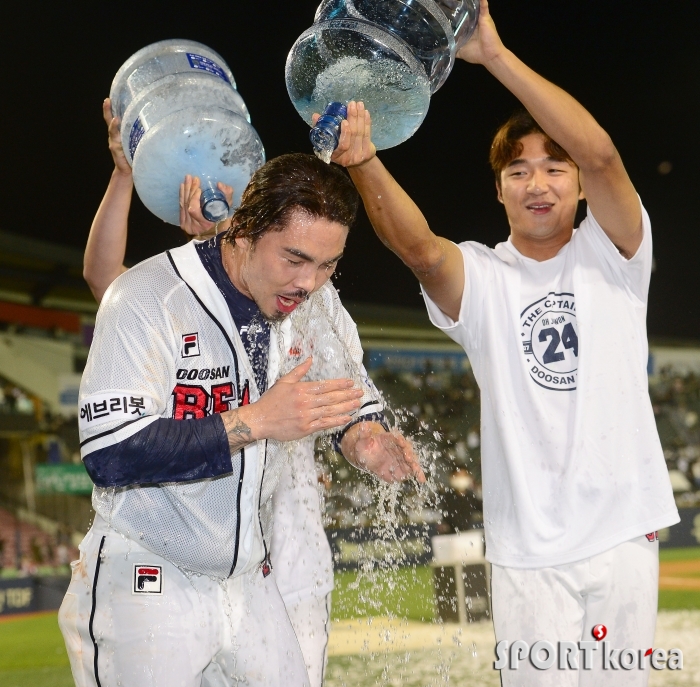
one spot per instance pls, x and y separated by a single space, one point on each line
634 64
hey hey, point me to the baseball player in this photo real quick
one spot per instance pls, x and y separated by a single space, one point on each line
553 320
181 427
300 549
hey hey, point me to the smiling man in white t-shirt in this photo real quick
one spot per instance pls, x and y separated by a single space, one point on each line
554 323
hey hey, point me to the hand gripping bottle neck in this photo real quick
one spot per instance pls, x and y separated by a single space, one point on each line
326 134
214 206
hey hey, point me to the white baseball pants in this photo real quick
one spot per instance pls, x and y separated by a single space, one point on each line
133 619
617 589
311 622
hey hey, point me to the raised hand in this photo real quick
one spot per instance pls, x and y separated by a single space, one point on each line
191 219
355 146
292 409
115 140
485 43
388 455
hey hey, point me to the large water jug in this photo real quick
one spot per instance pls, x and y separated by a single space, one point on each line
181 114
391 54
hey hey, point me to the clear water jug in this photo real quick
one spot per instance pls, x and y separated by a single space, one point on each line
391 54
181 114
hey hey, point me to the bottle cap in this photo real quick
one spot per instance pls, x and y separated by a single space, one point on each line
214 205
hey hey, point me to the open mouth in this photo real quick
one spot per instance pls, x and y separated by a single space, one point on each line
287 305
540 208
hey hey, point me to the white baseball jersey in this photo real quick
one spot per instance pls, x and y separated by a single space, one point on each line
166 347
571 459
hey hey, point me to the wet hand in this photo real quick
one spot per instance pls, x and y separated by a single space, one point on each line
192 221
292 409
355 146
115 140
485 43
388 455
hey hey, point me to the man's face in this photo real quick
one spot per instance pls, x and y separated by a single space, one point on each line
284 267
540 194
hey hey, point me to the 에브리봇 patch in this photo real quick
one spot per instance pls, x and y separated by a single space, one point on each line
148 579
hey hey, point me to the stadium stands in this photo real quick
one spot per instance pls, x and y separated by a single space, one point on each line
30 550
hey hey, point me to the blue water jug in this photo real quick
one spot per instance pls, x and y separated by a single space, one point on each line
181 114
391 54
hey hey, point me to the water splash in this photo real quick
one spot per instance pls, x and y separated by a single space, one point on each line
324 155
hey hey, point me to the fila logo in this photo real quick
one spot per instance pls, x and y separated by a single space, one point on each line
652 536
190 345
148 579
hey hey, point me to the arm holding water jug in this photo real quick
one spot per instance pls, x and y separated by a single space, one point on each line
436 262
585 153
106 244
603 180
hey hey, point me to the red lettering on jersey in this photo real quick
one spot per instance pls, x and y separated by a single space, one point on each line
223 394
245 396
190 402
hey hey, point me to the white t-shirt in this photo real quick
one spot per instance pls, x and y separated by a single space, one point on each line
572 464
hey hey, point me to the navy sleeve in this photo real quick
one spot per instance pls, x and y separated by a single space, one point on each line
165 451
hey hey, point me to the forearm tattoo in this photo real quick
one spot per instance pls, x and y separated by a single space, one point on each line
238 432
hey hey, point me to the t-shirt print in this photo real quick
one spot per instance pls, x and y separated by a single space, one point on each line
550 341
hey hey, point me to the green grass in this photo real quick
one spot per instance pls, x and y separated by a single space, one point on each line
32 653
408 593
673 600
404 593
690 554
37 677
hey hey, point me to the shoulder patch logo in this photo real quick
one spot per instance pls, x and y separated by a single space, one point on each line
190 345
549 335
97 409
148 579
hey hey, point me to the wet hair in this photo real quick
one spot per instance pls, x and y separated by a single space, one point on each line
507 144
289 183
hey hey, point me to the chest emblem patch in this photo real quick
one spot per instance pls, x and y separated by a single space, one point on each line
190 345
549 336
